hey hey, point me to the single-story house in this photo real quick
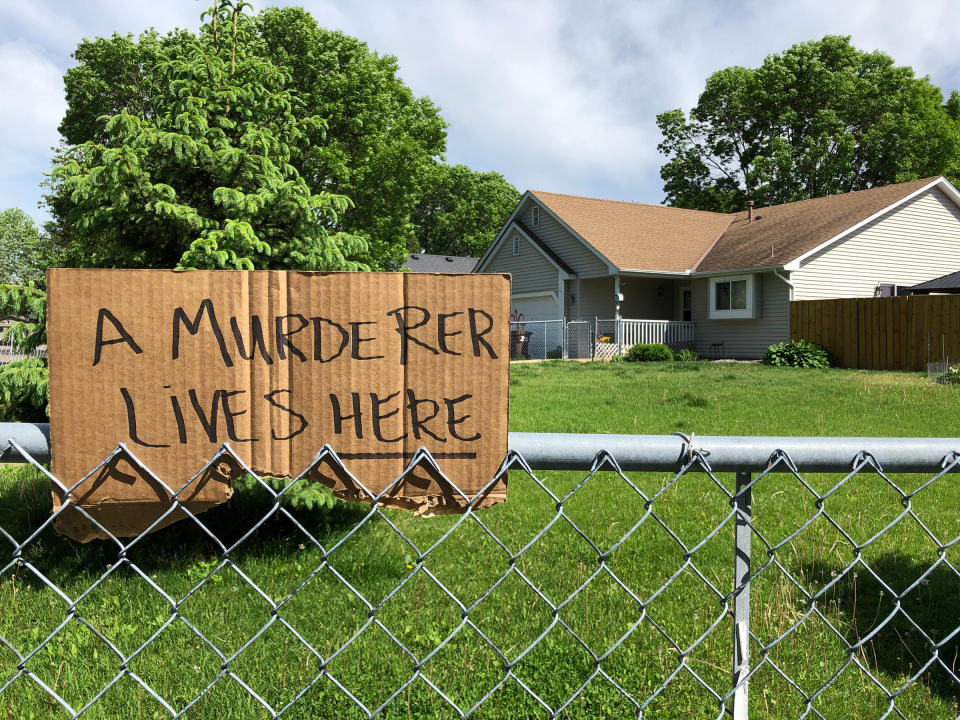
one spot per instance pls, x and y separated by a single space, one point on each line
423 263
720 282
943 285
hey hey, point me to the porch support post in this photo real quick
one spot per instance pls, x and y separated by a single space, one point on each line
616 315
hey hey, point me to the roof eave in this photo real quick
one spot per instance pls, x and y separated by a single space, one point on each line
611 267
498 240
653 273
739 271
941 181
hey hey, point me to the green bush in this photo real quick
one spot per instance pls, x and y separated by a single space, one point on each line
951 376
686 355
648 352
555 354
797 353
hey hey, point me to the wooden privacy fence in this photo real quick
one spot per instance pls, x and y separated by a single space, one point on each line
898 333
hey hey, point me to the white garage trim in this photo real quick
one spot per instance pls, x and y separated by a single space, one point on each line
536 307
529 295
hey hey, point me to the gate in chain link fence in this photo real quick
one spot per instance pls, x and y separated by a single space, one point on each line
626 576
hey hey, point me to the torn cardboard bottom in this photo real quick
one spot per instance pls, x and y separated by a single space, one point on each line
128 501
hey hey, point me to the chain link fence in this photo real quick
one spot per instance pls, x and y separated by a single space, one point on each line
537 340
627 576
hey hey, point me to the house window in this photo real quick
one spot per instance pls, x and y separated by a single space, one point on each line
535 215
516 243
733 297
687 305
891 290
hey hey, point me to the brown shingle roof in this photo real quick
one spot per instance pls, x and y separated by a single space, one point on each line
795 228
655 238
639 237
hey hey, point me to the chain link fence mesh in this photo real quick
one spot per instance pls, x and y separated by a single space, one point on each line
537 340
591 594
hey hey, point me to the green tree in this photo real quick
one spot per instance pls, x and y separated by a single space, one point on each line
460 210
381 139
352 129
818 119
198 160
23 382
24 250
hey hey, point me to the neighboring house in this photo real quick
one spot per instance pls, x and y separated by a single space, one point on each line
943 285
732 276
422 263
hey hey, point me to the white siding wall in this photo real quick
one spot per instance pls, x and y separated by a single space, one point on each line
918 241
743 339
581 259
531 271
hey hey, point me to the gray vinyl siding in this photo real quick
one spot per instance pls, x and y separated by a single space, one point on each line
647 298
581 259
531 271
917 241
743 339
595 299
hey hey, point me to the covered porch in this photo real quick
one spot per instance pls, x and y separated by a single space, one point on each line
597 338
607 315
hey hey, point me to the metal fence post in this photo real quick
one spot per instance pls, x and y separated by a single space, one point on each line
741 596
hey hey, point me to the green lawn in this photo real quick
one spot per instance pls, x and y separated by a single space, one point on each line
707 398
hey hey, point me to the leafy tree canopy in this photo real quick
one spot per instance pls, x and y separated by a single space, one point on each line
24 250
381 140
460 210
819 119
239 148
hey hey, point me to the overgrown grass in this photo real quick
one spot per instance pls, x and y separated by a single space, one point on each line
564 397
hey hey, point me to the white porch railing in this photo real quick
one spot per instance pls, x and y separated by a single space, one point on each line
615 337
668 332
546 339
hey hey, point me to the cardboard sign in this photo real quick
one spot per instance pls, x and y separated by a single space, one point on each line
277 364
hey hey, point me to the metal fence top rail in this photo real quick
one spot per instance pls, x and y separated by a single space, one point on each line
723 453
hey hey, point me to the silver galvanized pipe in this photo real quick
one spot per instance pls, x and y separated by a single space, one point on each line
725 453
729 453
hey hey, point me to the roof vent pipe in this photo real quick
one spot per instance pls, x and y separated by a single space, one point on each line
749 210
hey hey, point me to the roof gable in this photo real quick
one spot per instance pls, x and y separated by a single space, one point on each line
780 234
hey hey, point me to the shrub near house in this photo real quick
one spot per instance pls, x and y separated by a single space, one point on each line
648 352
797 353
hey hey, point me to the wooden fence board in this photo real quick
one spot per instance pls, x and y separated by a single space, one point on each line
901 333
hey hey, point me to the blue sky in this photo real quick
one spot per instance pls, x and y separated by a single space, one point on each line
556 95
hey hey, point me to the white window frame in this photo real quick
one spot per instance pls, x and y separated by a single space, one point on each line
752 305
516 243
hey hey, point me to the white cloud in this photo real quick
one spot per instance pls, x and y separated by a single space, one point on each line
32 91
555 94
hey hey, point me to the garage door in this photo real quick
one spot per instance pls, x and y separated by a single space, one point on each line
540 338
540 307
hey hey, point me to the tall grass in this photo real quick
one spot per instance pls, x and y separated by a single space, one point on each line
564 397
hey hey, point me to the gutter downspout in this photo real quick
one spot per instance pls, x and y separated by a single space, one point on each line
792 288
